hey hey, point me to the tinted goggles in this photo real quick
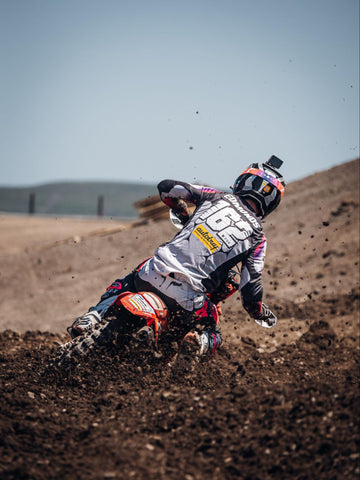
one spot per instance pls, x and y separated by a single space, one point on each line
269 178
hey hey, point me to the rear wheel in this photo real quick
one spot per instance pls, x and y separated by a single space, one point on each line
82 346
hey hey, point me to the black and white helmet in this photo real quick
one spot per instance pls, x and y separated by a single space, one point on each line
262 183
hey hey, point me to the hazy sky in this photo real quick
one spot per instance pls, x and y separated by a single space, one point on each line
195 90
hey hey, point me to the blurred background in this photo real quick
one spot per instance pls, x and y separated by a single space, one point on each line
131 92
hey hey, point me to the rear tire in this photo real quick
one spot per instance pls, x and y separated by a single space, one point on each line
82 346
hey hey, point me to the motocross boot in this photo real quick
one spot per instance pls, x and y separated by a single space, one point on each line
84 324
201 343
193 347
194 344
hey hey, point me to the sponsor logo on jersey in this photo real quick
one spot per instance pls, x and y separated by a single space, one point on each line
206 238
249 217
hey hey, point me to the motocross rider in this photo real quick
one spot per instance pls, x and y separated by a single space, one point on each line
191 272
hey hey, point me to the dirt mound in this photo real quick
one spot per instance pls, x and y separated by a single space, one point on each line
292 413
280 403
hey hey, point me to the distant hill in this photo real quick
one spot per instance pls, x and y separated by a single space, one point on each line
76 198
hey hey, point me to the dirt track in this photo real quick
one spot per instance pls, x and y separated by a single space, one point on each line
271 404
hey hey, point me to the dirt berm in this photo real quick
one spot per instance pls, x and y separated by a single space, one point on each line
281 403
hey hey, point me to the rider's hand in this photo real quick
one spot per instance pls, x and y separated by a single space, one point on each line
177 219
179 208
181 211
183 216
266 318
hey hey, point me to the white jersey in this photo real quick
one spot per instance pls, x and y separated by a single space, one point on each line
222 232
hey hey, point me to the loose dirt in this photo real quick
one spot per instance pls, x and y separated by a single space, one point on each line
278 404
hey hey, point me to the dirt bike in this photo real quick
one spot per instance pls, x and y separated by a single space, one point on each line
138 319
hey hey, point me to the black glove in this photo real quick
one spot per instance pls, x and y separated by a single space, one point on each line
266 318
182 216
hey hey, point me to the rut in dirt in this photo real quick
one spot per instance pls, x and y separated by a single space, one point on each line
291 413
